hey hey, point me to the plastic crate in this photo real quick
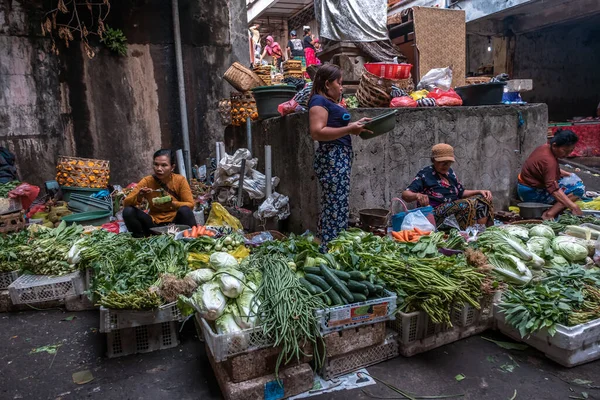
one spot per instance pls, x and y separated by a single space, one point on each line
469 315
224 346
141 339
111 320
40 288
569 347
356 314
346 363
6 278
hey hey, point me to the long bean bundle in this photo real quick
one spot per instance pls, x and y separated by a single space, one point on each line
287 310
434 285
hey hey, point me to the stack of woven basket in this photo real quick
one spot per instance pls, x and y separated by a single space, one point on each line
292 69
375 92
264 72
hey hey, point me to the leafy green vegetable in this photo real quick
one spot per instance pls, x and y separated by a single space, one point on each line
569 248
542 230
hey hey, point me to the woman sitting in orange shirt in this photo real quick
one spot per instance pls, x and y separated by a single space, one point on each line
177 211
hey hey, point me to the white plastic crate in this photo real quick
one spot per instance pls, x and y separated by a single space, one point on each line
570 346
224 346
469 315
111 320
356 314
6 278
142 339
363 358
40 288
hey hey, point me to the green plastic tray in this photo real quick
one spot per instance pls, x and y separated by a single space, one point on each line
380 124
95 218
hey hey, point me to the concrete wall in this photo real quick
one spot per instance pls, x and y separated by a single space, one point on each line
564 63
487 142
110 107
477 53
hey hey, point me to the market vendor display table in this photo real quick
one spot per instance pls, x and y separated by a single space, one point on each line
588 134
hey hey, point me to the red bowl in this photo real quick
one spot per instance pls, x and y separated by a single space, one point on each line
389 71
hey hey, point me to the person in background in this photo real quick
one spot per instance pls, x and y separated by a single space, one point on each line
542 181
309 47
295 49
177 211
274 50
438 186
255 43
330 125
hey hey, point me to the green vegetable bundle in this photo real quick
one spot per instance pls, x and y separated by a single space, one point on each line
9 258
128 274
569 296
46 253
286 310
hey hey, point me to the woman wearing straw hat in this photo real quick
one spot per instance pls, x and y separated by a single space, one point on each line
438 186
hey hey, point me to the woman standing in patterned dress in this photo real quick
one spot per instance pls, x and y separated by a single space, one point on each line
330 125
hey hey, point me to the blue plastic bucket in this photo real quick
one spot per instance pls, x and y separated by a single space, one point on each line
398 218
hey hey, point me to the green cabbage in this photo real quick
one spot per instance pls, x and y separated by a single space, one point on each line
221 260
231 282
517 231
542 230
226 324
202 275
570 248
246 309
541 246
209 301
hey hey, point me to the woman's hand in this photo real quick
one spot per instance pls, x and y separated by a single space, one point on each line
486 194
356 128
143 191
576 210
422 199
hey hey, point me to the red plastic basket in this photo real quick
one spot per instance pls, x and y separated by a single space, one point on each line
389 71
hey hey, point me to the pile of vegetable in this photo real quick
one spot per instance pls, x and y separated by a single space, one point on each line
9 259
422 278
568 296
286 309
128 272
46 250
5 188
519 254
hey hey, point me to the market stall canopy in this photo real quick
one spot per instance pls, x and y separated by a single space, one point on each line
352 20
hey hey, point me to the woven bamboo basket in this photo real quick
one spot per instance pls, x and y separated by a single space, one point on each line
292 64
527 221
11 223
404 84
82 172
242 78
299 75
243 106
371 95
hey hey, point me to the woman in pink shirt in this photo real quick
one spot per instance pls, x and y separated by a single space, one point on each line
274 50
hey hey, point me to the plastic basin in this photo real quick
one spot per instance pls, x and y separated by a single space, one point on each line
389 70
268 98
95 218
379 125
68 190
483 94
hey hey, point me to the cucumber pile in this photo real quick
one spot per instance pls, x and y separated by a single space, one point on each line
338 288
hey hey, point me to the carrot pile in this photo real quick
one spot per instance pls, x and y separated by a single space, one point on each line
196 231
412 236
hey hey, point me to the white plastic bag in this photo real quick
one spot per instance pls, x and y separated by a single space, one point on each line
436 78
418 220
